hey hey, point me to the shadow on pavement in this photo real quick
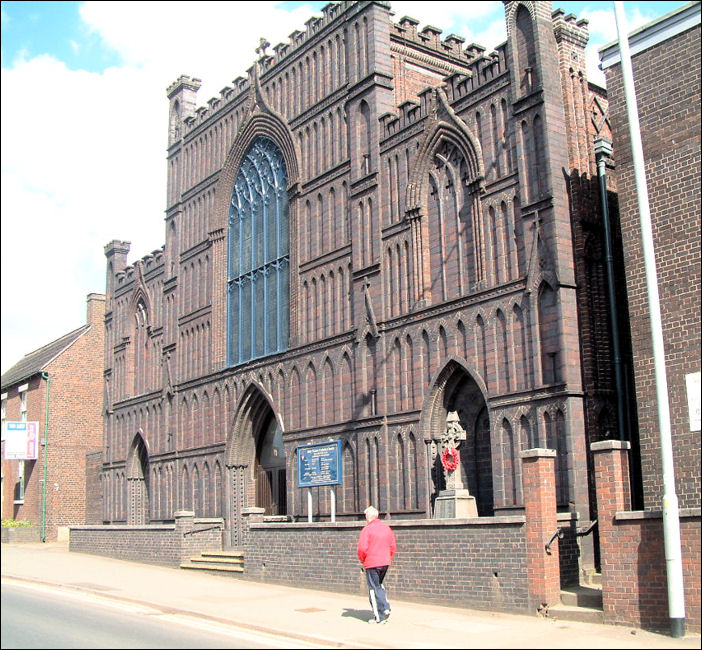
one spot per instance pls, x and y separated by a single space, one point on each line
360 614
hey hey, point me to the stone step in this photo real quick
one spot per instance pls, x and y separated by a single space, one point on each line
580 614
205 566
592 579
589 596
230 561
224 554
214 559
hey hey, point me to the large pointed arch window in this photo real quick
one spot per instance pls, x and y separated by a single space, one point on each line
258 276
452 242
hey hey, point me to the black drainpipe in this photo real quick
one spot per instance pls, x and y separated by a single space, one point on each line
603 151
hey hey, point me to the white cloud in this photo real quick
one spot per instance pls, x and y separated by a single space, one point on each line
81 165
83 154
214 41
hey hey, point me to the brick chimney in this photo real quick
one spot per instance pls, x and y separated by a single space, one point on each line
96 308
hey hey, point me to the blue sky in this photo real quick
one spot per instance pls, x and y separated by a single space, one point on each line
84 117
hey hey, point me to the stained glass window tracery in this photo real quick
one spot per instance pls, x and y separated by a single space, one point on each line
258 259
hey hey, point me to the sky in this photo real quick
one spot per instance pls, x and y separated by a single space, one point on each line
84 118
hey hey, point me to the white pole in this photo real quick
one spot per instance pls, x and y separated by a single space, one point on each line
333 502
671 516
309 505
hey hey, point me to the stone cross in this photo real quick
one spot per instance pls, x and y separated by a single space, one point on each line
263 44
451 438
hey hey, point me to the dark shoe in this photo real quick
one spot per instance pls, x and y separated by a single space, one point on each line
387 614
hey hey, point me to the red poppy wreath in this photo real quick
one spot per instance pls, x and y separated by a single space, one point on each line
450 459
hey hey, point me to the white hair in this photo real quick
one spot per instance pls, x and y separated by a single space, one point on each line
371 513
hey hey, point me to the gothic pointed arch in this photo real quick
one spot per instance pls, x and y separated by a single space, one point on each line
521 29
140 292
261 123
443 126
431 418
443 207
264 122
258 255
457 390
138 481
246 427
255 457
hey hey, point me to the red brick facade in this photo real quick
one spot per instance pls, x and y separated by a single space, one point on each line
75 388
666 70
444 251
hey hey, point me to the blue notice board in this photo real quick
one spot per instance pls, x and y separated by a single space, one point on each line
319 464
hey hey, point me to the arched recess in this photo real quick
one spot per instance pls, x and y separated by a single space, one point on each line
458 389
454 131
138 482
522 22
138 359
549 333
255 460
446 183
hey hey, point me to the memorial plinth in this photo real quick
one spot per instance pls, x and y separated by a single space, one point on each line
455 504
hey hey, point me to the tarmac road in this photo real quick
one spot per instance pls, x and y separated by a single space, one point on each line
43 616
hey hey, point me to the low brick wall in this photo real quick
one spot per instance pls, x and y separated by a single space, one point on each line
637 593
634 572
478 563
152 544
163 544
21 534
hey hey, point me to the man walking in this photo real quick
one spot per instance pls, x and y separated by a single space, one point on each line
376 547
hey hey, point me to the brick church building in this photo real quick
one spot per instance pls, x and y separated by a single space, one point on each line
375 229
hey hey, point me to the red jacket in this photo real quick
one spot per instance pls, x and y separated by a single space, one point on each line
376 545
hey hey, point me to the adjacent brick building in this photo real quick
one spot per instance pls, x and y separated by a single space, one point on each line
67 372
666 70
376 228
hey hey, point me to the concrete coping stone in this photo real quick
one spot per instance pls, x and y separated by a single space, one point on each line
511 520
606 445
538 453
633 515
150 527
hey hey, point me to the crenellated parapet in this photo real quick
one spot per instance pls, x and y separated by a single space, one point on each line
282 53
429 41
150 262
567 27
449 56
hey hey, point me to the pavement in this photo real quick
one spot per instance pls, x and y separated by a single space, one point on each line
300 617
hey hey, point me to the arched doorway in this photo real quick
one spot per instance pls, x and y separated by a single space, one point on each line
456 391
255 463
271 491
138 482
